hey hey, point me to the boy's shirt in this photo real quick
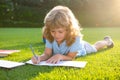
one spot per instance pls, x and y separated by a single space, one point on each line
77 46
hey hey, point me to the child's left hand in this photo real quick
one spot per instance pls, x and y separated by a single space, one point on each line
55 59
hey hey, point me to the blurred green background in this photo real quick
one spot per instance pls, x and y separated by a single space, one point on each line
31 13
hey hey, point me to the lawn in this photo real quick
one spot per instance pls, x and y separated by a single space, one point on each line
103 65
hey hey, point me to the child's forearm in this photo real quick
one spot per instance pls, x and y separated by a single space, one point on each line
69 56
65 57
44 57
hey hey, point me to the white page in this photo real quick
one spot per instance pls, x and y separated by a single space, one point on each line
9 64
80 64
8 51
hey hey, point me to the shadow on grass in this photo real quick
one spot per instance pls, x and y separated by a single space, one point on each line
39 47
24 46
26 72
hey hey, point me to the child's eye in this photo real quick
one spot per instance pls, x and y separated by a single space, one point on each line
60 32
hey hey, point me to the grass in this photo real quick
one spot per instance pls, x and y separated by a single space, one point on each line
103 65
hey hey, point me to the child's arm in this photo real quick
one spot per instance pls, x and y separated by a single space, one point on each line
59 57
47 54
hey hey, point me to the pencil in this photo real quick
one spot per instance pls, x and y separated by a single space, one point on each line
33 52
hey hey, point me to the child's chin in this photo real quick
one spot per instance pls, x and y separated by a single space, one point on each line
58 40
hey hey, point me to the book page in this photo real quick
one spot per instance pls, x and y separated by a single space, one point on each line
10 64
4 53
80 64
8 51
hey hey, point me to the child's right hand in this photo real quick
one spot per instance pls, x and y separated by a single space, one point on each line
34 60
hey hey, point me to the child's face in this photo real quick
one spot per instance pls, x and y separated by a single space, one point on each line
58 34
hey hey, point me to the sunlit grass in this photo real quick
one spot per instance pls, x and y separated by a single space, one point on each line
103 65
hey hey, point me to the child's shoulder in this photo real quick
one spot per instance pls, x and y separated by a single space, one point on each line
78 38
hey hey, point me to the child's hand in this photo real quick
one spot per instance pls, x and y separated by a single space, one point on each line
34 60
54 59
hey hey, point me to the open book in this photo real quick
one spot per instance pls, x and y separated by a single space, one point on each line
7 52
10 64
79 64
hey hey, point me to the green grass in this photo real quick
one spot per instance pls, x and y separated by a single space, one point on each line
103 65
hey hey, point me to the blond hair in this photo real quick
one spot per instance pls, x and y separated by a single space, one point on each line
61 17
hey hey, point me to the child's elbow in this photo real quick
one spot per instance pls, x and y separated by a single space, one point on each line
72 58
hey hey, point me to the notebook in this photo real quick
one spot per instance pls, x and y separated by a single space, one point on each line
10 64
79 64
7 52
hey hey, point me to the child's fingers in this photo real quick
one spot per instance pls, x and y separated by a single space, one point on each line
38 61
53 61
34 60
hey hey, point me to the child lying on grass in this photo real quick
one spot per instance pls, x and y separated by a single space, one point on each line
64 39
